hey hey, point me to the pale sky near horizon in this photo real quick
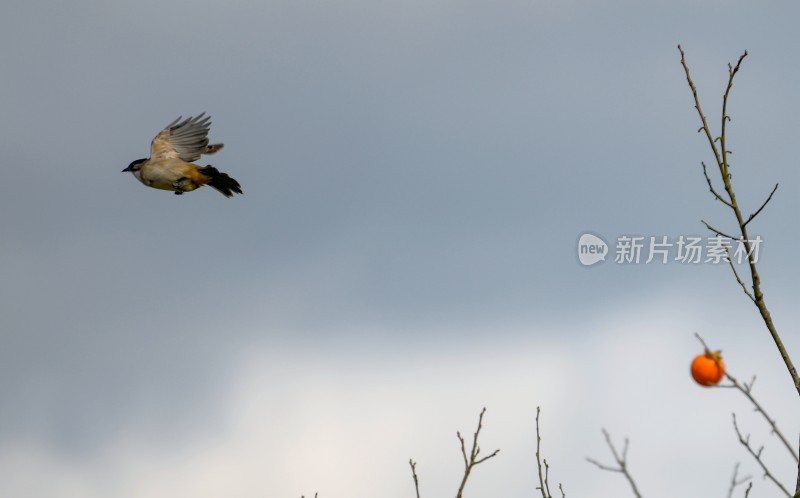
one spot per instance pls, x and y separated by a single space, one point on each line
416 176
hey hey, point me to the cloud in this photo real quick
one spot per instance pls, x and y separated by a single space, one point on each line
343 420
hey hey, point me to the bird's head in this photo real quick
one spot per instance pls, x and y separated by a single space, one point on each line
135 166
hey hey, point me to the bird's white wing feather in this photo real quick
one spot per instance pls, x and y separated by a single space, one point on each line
186 139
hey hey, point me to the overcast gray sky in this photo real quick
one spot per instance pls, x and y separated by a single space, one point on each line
416 177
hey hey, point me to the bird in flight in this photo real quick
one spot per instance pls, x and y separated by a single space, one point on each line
172 153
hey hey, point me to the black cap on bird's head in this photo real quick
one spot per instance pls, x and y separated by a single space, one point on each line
135 165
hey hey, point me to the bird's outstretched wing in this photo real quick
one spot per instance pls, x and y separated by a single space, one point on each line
186 139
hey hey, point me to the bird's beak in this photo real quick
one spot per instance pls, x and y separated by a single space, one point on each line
129 168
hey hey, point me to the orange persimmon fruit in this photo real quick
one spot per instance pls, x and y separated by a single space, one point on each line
708 368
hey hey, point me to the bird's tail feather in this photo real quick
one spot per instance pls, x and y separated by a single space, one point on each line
221 181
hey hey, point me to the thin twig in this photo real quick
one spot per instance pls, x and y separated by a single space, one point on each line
797 487
621 460
752 216
473 458
757 456
746 389
711 186
538 457
414 473
469 462
725 118
735 481
720 233
702 341
738 278
699 110
544 483
547 477
463 449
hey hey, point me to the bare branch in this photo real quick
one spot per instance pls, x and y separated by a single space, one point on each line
747 391
735 481
546 477
722 162
469 461
738 279
538 457
711 186
473 458
757 456
797 487
699 110
544 483
621 461
414 474
463 449
702 341
752 216
725 119
721 234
